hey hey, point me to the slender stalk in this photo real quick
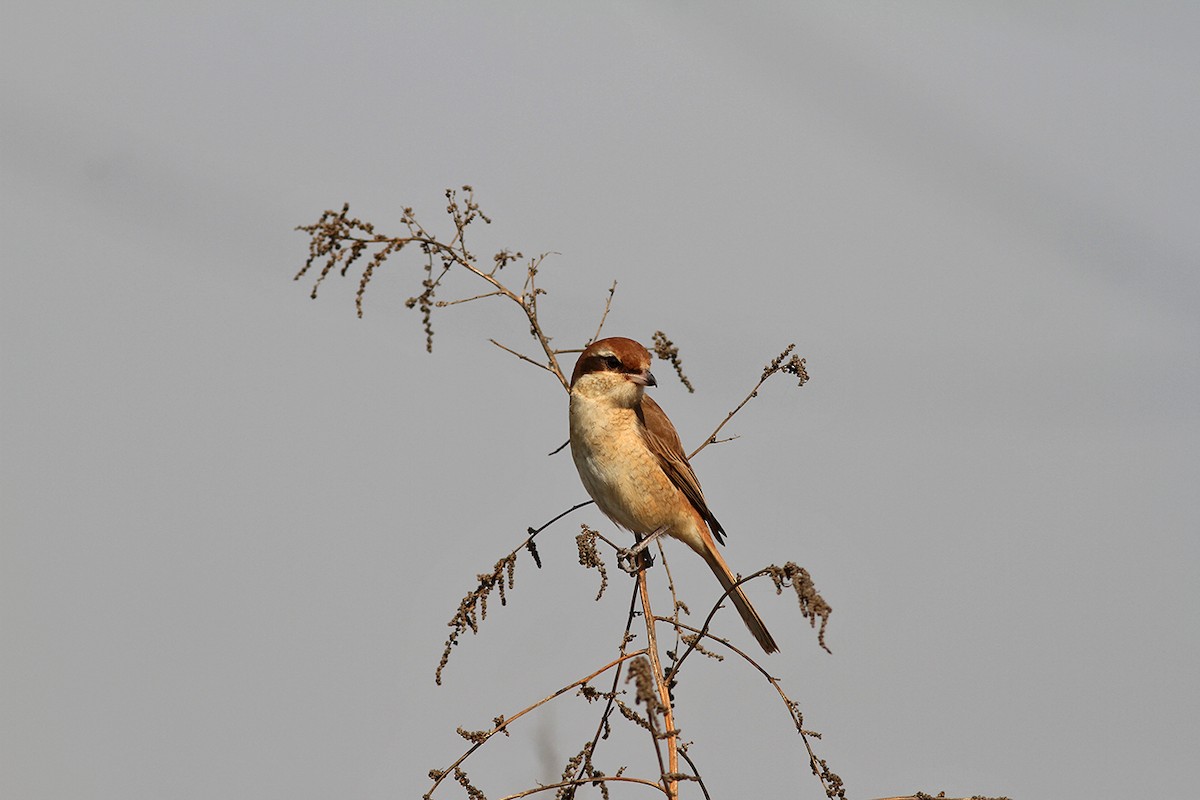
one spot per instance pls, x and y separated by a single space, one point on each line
664 692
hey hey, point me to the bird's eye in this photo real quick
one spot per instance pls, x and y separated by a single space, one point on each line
612 362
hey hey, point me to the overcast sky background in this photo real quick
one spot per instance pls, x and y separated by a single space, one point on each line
235 521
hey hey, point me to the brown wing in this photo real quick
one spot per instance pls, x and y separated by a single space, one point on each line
663 440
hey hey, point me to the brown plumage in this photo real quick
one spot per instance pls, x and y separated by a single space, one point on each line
633 464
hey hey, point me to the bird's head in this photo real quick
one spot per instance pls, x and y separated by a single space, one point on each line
616 367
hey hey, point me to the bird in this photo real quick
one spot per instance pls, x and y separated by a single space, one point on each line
632 463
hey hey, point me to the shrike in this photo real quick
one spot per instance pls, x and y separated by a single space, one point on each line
633 465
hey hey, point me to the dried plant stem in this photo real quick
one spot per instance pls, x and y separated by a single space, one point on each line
527 300
794 366
712 437
585 782
612 692
792 707
607 305
925 796
339 240
521 356
771 679
506 721
676 605
663 689
696 773
448 303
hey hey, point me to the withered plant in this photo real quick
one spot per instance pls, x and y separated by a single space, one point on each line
637 682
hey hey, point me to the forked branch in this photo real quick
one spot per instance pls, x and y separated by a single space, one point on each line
339 240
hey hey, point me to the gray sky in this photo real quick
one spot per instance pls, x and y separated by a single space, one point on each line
235 521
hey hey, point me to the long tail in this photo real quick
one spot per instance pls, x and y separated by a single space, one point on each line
740 601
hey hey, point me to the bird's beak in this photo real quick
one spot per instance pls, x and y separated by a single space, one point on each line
644 379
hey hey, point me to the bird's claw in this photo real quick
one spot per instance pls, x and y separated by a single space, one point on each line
635 559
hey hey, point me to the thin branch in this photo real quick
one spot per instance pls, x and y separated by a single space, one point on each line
335 230
925 796
696 773
447 303
505 721
663 689
794 366
464 618
676 604
703 630
819 769
521 356
712 437
612 692
586 782
607 305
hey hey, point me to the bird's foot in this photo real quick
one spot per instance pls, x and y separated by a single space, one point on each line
636 558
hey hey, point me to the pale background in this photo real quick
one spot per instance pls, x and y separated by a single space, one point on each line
235 521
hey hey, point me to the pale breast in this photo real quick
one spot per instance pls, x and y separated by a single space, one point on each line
618 470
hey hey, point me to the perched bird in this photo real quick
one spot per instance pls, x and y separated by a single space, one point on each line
633 465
